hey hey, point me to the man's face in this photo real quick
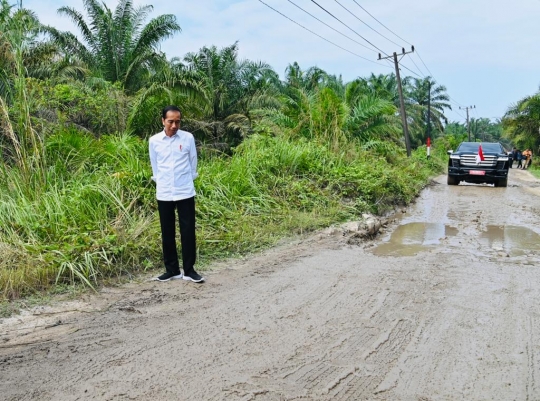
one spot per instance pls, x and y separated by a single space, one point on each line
171 122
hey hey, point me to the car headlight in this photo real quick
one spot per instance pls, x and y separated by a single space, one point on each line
455 157
502 159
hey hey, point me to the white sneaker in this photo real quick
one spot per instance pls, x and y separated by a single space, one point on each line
166 277
194 276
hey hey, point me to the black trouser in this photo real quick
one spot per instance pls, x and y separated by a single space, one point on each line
186 218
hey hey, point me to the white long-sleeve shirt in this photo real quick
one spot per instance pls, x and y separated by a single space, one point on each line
174 165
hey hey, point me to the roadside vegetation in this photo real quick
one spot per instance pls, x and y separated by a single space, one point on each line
277 156
521 125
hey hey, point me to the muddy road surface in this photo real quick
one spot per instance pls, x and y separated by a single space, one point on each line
443 305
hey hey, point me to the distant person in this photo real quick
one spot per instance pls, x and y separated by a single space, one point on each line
526 155
529 162
519 158
514 156
173 157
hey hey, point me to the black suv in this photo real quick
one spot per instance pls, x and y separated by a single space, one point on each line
464 164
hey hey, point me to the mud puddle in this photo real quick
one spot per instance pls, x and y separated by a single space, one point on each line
514 240
411 238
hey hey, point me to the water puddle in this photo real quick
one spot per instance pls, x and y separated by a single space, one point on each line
514 240
411 238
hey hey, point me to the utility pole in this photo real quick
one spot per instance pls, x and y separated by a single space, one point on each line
401 100
468 128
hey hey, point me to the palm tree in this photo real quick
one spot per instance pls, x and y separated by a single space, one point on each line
232 90
484 130
456 129
382 86
374 119
424 94
117 47
21 50
319 106
294 76
521 123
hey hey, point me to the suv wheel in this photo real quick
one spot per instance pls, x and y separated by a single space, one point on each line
452 180
503 182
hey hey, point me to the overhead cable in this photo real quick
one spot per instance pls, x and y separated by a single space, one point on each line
309 30
419 70
322 22
373 29
389 30
408 69
381 23
336 18
418 54
416 51
459 114
456 102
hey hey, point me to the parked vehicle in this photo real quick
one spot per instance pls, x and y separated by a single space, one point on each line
474 162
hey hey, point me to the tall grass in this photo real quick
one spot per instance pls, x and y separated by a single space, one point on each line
88 220
95 216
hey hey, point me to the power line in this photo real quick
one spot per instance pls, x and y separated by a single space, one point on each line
455 101
309 30
418 54
459 114
404 66
419 70
408 69
456 104
381 23
374 30
322 22
372 16
458 107
336 18
395 34
348 51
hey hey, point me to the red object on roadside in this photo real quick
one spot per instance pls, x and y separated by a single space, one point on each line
429 142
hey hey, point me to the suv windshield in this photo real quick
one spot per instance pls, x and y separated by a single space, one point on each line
486 147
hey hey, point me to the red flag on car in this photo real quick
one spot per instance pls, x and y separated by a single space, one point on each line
480 155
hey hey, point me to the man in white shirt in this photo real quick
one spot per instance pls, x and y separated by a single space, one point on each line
174 165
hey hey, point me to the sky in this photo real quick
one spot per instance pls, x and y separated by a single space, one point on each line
485 52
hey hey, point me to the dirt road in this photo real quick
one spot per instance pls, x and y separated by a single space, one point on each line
444 305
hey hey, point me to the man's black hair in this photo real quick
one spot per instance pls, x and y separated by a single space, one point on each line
170 108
